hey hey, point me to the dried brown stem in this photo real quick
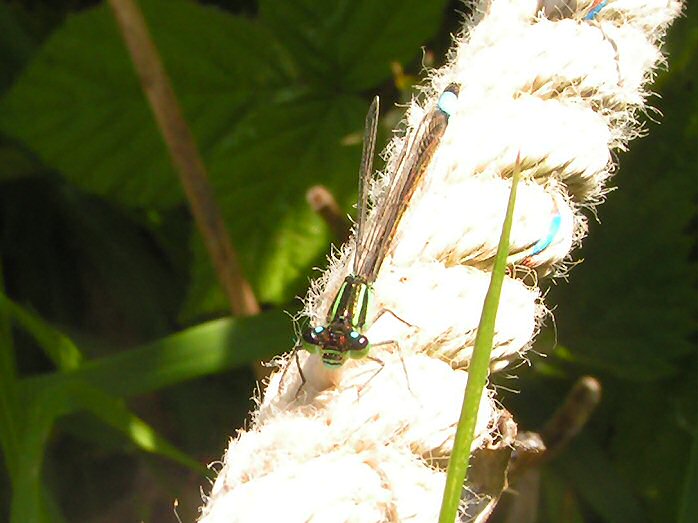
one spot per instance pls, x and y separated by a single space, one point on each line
572 415
323 202
535 449
185 156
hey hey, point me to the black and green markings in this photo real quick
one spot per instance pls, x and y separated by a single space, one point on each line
341 337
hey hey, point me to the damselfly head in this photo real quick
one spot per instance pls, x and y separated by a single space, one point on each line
336 343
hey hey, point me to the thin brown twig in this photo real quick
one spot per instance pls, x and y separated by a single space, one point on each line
185 156
580 403
323 202
533 450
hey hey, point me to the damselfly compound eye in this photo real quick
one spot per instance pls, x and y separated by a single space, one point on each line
358 340
311 335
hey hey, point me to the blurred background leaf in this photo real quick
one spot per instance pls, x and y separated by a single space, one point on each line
252 103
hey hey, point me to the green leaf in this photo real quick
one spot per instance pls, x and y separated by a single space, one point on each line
350 45
597 482
29 496
262 173
15 163
16 46
206 349
58 347
653 428
688 509
115 414
239 90
119 257
90 119
29 502
617 356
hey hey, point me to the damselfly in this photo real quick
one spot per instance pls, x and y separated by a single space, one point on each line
341 337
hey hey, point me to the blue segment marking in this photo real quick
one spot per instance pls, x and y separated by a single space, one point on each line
447 102
354 334
319 329
592 14
543 243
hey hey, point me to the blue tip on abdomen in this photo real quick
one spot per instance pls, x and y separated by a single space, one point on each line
595 10
447 102
543 243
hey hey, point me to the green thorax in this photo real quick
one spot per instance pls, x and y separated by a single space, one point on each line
352 303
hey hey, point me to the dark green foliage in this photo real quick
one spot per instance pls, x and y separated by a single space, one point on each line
102 266
254 104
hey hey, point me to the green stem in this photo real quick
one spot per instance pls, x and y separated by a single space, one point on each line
478 370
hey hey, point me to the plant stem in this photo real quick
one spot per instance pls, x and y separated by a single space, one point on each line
323 202
478 370
185 156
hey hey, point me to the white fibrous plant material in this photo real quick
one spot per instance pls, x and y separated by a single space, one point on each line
558 83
